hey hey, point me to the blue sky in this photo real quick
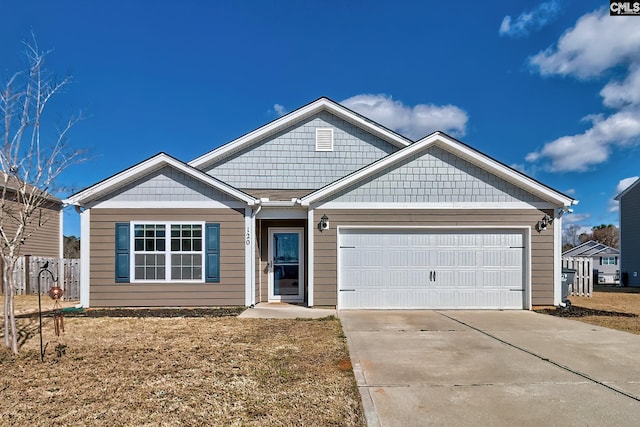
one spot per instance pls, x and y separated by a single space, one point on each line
551 88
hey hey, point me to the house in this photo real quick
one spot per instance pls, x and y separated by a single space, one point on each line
604 259
323 207
630 233
44 236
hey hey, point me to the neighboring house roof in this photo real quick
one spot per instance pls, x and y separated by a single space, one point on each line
13 184
321 104
629 188
591 248
456 147
145 167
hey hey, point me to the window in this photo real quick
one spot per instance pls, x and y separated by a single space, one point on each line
609 260
167 252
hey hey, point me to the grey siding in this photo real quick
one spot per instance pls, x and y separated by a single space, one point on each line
288 160
167 184
435 176
325 243
106 293
630 235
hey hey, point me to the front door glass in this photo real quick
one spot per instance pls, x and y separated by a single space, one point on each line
286 264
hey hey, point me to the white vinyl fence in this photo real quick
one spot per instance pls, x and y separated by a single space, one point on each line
65 272
583 281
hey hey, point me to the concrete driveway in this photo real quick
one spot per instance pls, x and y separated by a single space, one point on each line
481 368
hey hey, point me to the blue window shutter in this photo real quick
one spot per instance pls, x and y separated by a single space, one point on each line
600 260
122 252
212 253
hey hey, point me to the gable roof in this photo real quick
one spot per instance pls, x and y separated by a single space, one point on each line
320 104
591 248
629 188
145 167
456 147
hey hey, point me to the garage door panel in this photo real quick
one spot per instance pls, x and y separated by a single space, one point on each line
431 269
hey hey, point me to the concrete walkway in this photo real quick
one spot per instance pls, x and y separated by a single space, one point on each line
285 311
477 368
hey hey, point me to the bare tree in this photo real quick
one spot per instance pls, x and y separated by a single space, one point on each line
32 156
571 236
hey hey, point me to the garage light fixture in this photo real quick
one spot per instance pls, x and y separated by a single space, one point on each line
324 223
543 223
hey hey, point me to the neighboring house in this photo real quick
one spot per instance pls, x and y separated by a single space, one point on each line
604 259
630 233
44 237
323 207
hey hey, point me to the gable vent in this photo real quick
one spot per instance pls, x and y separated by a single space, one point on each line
324 139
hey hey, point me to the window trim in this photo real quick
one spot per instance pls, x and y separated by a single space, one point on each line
605 260
167 252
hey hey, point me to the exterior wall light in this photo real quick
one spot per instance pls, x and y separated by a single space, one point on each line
324 223
543 223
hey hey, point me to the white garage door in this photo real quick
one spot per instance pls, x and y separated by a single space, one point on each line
431 269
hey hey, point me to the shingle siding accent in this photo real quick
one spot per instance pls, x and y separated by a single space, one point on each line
630 235
167 184
325 243
435 176
289 160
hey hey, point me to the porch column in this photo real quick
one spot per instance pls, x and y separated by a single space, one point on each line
311 226
249 257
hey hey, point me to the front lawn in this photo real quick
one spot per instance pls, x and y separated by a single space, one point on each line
196 371
610 306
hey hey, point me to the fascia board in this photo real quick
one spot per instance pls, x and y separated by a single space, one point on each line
506 173
144 168
457 148
293 117
629 188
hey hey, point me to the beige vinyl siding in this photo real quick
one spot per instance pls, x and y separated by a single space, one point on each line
45 240
106 293
325 243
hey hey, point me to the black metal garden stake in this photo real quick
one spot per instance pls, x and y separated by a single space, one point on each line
44 268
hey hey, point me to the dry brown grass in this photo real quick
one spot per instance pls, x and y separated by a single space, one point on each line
611 307
158 371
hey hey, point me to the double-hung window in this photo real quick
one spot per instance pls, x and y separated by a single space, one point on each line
609 260
167 252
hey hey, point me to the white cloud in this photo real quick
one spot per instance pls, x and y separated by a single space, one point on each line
413 122
530 21
580 152
573 218
594 45
279 109
614 205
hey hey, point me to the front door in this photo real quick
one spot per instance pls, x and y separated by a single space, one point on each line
286 264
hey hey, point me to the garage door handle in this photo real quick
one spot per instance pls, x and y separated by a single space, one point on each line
347 290
516 290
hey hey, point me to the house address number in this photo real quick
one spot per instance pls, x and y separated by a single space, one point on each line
248 237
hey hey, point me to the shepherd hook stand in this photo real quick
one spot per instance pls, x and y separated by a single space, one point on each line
44 268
